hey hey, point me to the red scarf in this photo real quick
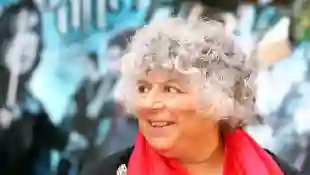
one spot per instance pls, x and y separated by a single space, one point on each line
243 156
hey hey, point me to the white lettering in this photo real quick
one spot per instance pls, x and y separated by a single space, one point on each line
80 14
87 13
114 5
62 21
101 13
76 14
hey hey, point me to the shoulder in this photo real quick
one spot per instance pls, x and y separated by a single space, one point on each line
110 165
285 167
113 163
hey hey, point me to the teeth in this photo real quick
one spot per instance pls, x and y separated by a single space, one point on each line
159 124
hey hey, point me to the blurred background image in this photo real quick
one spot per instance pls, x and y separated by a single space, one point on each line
59 66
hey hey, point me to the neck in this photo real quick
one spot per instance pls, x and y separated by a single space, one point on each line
208 160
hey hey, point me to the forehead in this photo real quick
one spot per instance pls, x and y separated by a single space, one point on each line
162 76
27 17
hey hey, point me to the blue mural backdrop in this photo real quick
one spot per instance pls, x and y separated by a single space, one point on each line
59 66
59 61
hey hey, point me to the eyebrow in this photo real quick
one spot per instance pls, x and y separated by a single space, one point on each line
143 82
163 82
173 81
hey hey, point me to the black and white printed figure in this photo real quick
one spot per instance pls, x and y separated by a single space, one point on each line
20 48
27 133
121 124
85 94
88 104
98 117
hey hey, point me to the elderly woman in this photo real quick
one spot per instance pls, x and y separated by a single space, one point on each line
191 90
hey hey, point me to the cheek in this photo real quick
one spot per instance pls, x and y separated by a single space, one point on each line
186 104
193 124
138 106
175 105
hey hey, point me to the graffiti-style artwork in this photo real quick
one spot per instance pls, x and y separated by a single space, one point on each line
21 46
59 67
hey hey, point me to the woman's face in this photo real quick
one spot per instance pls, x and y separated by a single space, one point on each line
21 53
170 114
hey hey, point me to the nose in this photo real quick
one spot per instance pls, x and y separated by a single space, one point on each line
154 100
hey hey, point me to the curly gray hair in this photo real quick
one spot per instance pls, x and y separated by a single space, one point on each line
193 47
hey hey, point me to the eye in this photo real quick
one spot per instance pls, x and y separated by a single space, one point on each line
142 89
172 89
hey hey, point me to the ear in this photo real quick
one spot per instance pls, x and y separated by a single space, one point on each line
230 123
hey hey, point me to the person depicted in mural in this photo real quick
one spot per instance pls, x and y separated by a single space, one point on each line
27 134
20 48
97 114
122 125
20 52
86 92
86 115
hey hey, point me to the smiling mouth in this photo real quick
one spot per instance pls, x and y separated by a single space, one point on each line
160 124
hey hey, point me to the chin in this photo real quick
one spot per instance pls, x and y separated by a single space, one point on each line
162 145
160 139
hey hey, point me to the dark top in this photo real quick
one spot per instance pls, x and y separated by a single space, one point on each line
27 138
110 165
